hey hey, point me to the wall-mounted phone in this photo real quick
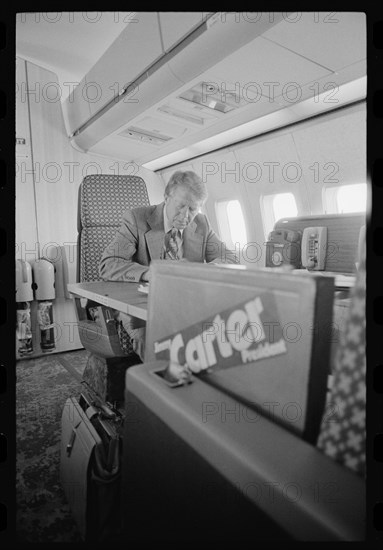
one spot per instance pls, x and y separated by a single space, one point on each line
314 246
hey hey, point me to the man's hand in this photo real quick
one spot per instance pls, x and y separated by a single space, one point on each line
176 373
146 276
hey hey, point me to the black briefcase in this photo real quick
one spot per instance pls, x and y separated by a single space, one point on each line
90 469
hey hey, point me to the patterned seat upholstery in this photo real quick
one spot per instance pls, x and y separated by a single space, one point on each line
102 200
343 435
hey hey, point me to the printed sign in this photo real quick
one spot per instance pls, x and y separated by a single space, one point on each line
244 333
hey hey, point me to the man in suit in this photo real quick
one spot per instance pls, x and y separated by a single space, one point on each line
174 229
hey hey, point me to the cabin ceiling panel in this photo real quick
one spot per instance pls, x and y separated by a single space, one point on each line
250 121
279 68
221 38
266 66
243 74
250 112
175 25
332 39
42 38
188 133
273 120
124 148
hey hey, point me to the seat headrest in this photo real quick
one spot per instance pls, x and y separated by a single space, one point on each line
103 198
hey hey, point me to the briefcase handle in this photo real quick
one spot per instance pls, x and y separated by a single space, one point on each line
70 443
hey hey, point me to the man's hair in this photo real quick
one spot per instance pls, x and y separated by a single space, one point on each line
191 181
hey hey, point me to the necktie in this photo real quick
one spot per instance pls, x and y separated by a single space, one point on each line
173 244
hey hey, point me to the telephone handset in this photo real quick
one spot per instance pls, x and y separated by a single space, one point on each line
314 245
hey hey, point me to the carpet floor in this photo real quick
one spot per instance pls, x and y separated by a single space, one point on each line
42 387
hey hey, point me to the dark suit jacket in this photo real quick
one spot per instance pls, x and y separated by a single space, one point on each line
140 239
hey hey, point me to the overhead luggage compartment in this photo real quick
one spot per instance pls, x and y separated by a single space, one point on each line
147 62
119 65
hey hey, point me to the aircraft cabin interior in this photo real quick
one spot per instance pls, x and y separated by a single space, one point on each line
243 416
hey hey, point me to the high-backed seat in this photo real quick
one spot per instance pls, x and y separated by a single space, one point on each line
102 200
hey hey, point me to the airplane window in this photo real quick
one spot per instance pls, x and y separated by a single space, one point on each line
231 223
352 198
284 206
236 222
345 199
275 207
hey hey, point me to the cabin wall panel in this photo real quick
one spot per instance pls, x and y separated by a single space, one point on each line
25 227
270 166
333 153
221 174
58 172
218 172
26 240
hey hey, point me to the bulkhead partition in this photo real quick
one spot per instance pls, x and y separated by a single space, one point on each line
261 335
343 236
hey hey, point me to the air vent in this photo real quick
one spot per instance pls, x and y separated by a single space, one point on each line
154 130
180 114
146 137
222 97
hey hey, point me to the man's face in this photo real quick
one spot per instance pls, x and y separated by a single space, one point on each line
181 207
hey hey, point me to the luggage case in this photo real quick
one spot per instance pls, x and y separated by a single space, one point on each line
90 468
